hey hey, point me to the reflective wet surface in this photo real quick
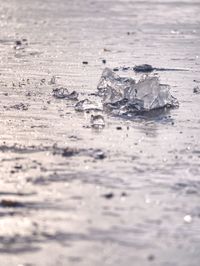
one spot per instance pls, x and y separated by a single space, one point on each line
123 194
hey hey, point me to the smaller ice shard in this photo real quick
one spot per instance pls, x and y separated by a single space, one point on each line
60 93
20 44
125 94
97 121
143 68
86 105
63 93
73 95
196 90
112 87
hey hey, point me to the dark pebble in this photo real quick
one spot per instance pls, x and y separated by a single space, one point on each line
115 69
125 68
68 152
196 90
99 156
119 128
143 68
18 167
18 43
151 257
11 204
85 63
104 61
108 195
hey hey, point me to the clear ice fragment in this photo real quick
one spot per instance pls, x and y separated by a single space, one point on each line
63 93
112 87
86 105
149 94
97 121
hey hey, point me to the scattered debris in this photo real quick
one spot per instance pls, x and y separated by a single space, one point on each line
20 106
97 154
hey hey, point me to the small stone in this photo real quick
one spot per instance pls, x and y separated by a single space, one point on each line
143 68
106 50
99 155
104 61
18 42
85 63
119 128
151 257
196 90
10 204
69 152
109 195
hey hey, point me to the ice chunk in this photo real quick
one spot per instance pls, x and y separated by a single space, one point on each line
97 121
149 94
112 87
86 105
124 93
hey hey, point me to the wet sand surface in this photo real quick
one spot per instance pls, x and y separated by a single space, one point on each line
72 195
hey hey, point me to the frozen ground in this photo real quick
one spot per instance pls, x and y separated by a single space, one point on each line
134 202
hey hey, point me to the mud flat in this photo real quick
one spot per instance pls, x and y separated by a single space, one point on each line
72 194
